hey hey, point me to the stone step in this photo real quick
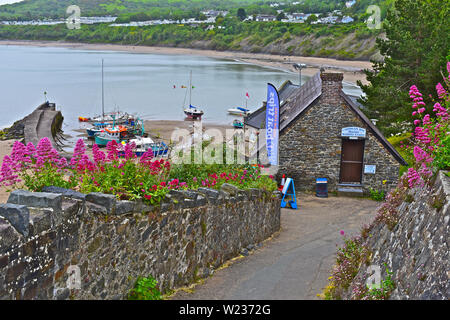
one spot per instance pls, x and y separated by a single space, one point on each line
350 192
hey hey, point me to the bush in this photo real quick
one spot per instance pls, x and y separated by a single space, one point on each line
126 176
145 289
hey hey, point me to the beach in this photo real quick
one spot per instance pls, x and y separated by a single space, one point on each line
352 70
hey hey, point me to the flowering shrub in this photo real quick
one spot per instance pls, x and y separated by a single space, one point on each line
360 290
127 177
349 259
432 136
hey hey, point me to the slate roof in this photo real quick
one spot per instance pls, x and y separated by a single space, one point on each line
294 101
257 118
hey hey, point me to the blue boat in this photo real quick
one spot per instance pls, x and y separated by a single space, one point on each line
145 144
97 128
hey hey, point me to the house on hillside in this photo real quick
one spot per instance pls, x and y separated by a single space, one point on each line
324 134
265 17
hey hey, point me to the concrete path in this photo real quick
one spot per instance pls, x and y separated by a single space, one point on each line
295 264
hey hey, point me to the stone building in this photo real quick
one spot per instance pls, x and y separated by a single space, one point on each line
324 134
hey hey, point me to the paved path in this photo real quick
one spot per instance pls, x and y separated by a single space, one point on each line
296 264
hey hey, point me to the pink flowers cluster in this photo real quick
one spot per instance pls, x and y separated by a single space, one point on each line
28 157
417 99
427 133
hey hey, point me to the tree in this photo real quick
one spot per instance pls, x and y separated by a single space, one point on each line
417 42
281 16
241 14
311 18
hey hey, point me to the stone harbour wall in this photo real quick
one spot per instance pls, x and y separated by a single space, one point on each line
416 251
46 236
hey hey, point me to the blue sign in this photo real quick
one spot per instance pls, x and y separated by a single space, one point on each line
272 124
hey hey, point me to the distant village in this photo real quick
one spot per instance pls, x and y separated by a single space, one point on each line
334 17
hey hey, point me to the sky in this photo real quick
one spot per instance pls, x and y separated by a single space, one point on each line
8 1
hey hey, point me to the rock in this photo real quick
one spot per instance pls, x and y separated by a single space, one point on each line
36 199
68 193
124 207
250 247
17 215
108 201
211 195
229 188
8 235
244 252
40 220
62 294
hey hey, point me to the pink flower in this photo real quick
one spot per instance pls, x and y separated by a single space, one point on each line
342 232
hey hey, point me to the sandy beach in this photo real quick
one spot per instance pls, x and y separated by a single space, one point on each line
352 69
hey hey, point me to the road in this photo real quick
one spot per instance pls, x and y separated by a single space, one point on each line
296 263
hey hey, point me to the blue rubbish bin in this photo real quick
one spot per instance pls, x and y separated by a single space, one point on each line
322 188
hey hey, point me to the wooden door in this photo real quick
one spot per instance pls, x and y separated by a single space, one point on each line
352 161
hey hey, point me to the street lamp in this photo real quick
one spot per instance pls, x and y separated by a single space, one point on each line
299 67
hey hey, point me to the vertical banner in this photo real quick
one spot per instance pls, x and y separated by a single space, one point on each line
272 124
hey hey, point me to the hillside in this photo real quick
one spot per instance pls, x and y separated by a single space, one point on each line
38 9
338 41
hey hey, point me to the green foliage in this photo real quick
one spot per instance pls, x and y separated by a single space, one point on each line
377 195
442 155
241 14
417 42
145 289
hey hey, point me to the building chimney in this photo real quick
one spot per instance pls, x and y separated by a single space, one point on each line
331 87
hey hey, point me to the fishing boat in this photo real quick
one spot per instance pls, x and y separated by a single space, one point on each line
97 127
144 144
239 111
115 133
192 112
238 124
110 133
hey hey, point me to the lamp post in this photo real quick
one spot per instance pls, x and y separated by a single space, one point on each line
299 67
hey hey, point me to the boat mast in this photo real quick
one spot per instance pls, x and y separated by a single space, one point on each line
103 96
190 90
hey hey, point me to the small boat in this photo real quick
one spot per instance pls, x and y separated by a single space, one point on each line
239 111
144 144
83 119
193 112
160 149
96 128
108 134
238 124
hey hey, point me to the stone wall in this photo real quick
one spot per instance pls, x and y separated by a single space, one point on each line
311 146
42 235
417 249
